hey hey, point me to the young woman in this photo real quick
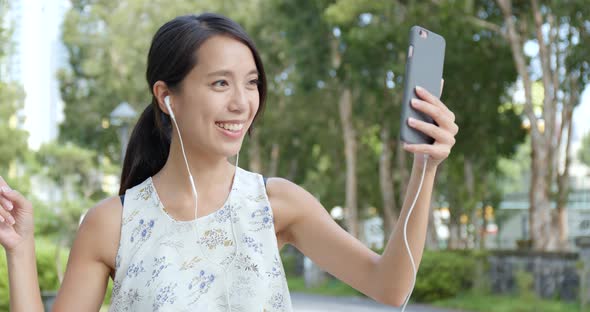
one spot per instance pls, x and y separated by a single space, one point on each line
168 247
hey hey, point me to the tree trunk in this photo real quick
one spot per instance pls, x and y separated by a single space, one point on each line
386 182
560 219
274 160
349 136
454 234
293 167
540 212
540 205
431 235
254 153
469 176
58 265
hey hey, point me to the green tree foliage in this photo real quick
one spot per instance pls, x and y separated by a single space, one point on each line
13 141
108 41
584 152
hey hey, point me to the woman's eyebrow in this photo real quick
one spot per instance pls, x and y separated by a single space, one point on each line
222 72
225 72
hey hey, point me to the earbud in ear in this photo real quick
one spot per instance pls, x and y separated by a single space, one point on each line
167 102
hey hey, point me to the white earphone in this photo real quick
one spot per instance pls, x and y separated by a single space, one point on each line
167 102
194 188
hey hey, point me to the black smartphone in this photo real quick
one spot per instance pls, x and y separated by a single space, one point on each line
424 68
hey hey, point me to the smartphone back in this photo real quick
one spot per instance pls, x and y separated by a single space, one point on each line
424 67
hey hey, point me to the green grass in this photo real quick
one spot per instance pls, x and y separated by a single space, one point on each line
468 302
331 287
496 303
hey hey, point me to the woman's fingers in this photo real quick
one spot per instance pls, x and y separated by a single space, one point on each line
5 203
15 197
443 117
6 217
441 151
2 182
428 97
437 133
6 206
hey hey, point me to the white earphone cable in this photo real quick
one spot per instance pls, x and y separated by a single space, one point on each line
405 233
195 196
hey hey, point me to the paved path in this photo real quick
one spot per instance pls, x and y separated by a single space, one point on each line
316 303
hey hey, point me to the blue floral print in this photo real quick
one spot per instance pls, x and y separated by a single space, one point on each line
164 265
142 231
165 295
262 219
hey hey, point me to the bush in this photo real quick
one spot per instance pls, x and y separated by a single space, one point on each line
289 263
46 266
47 273
525 282
444 274
4 294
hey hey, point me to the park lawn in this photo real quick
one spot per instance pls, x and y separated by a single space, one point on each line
331 287
467 302
484 302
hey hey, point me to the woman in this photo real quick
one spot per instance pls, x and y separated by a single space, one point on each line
168 248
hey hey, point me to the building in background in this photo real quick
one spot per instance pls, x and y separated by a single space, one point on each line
37 55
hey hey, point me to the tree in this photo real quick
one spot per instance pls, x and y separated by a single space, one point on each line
107 43
73 172
584 152
335 71
556 28
13 141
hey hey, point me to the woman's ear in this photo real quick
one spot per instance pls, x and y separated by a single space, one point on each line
161 92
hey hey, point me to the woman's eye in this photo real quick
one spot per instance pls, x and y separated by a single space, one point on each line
254 81
220 83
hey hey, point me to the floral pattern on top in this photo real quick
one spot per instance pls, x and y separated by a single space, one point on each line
262 219
190 264
160 264
252 243
200 285
243 262
225 214
216 237
142 230
165 295
135 269
231 259
276 270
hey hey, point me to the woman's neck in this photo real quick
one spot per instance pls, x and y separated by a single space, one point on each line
209 173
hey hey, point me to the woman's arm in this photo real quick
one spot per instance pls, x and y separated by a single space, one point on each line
305 223
22 278
394 261
394 267
16 236
89 264
91 259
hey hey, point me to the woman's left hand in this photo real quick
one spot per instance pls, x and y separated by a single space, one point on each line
443 134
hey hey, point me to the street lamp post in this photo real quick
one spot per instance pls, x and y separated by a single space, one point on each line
122 117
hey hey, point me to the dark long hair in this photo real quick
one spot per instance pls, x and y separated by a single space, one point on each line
171 57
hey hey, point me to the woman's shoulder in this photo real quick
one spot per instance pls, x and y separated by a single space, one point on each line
103 221
283 196
105 212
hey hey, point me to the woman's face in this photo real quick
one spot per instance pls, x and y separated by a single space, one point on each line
219 97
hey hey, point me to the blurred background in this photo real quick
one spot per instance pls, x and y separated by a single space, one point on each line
510 215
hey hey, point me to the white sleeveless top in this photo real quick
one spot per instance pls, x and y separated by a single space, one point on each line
160 267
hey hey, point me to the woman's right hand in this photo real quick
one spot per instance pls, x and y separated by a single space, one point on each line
16 218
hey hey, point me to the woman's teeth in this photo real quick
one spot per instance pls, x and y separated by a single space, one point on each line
230 127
